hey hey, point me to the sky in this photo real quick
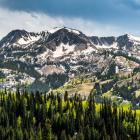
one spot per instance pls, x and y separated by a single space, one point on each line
92 17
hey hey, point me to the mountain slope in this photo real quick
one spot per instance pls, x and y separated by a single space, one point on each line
19 37
124 42
63 51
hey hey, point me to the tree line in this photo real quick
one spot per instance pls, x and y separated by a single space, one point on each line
39 116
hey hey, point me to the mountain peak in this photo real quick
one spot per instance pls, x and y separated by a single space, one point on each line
18 31
134 38
17 34
56 29
13 36
20 37
131 37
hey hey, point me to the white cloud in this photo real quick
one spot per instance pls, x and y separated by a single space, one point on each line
10 20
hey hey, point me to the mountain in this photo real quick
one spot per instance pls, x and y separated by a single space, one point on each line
129 42
101 42
124 42
19 37
30 58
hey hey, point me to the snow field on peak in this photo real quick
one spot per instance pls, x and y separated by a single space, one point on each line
54 30
73 31
134 38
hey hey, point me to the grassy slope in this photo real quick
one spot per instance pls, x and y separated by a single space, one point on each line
84 88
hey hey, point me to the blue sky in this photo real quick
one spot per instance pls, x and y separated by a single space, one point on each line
100 17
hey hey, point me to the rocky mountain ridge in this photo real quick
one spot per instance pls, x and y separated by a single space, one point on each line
62 51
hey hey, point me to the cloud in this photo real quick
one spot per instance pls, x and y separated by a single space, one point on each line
10 20
33 21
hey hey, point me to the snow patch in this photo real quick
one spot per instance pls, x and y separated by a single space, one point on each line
28 40
73 31
63 49
114 45
88 50
134 38
54 30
